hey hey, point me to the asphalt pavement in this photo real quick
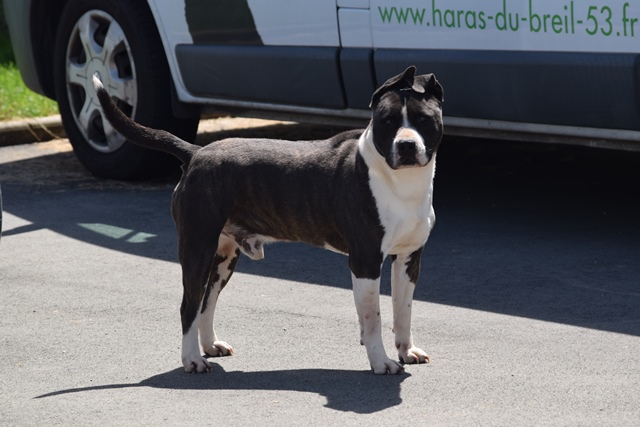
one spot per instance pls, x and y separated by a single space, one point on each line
528 302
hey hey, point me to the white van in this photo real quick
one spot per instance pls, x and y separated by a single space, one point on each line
561 71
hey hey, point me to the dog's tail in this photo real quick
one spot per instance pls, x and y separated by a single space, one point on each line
142 135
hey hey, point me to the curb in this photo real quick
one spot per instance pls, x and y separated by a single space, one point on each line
26 131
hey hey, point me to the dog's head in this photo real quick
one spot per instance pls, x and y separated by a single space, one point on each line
407 119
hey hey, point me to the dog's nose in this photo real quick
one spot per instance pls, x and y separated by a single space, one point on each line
406 147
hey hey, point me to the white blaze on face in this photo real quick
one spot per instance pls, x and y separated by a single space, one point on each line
409 133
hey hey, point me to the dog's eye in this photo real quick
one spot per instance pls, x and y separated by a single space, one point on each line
423 119
387 121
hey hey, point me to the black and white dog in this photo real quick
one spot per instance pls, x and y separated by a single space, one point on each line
365 193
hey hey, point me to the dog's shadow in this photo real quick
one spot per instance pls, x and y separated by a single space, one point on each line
350 391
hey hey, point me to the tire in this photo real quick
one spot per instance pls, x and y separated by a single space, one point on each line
118 40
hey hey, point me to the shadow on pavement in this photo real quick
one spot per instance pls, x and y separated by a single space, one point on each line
538 231
350 391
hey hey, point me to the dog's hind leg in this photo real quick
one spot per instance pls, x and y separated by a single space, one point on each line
196 249
224 262
404 276
192 360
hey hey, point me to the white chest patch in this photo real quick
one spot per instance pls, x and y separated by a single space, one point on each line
403 198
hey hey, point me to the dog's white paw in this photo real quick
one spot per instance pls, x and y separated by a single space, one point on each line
196 363
412 355
218 349
387 366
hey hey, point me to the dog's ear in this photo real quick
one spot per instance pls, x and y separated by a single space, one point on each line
425 83
432 86
404 80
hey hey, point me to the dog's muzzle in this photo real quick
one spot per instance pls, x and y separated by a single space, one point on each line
406 149
408 153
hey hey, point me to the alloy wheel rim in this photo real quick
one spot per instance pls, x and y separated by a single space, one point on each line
99 46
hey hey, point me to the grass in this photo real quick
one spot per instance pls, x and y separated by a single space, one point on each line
16 101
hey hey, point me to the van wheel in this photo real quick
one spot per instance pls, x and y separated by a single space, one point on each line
119 41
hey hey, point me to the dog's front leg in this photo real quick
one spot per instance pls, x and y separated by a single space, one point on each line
404 276
367 296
